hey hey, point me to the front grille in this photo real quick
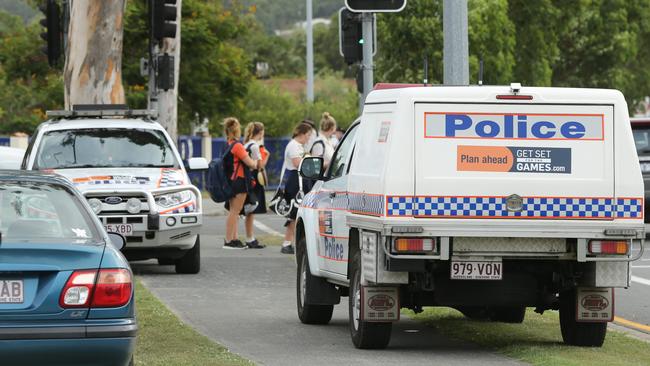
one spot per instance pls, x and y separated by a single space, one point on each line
109 207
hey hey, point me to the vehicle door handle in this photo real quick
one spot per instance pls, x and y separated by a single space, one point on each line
332 194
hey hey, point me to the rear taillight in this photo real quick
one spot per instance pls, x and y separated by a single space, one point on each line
78 289
414 245
100 289
113 288
609 246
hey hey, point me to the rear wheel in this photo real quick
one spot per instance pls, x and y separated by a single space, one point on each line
508 314
578 333
190 263
365 335
308 313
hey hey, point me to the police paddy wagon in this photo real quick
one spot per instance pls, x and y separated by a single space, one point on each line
129 170
485 199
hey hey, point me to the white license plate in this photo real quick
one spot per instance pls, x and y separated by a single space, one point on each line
476 270
122 229
11 292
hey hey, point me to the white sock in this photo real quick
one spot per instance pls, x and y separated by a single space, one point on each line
286 243
250 240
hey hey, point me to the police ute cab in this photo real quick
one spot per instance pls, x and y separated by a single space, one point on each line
487 199
129 170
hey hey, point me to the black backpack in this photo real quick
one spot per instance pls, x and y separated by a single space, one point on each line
220 170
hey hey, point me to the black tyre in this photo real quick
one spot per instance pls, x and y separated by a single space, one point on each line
365 335
508 314
578 333
166 261
190 263
309 314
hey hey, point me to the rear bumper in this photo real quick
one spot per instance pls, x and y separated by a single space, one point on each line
68 352
102 329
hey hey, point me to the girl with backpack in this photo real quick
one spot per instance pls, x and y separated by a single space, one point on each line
238 174
293 154
323 145
254 144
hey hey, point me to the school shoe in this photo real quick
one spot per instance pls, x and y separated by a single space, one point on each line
287 250
255 245
234 244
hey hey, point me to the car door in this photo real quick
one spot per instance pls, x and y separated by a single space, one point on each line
333 207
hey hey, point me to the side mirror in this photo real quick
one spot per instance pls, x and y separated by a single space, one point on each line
197 164
311 167
116 240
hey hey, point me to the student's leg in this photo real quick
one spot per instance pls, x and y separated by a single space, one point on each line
291 229
250 235
236 205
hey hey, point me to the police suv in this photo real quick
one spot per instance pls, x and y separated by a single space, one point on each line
128 168
485 199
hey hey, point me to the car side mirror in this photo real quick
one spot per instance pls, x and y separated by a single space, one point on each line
311 167
116 240
197 164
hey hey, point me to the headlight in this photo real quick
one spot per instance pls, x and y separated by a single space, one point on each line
174 199
96 205
133 205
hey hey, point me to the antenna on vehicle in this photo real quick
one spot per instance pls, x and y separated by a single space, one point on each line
480 72
426 70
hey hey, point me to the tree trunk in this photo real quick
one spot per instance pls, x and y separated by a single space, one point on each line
93 63
168 100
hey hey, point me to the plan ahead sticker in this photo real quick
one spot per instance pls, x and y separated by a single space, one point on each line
554 160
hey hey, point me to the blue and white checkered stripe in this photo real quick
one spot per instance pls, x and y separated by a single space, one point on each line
533 207
355 202
171 178
186 209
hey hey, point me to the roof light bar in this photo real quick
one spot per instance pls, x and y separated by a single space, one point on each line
103 113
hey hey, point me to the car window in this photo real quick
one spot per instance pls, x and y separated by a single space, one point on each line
104 148
30 147
338 166
642 139
43 213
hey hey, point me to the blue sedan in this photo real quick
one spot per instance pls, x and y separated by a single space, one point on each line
66 291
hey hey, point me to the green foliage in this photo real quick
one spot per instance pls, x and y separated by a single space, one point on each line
281 111
283 14
214 72
28 87
17 7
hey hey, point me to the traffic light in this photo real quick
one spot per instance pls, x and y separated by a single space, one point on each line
163 19
351 36
165 79
52 34
375 6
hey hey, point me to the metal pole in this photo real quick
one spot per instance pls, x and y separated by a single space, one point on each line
456 48
310 54
367 54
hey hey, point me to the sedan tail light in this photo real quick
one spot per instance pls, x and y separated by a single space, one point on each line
608 246
105 288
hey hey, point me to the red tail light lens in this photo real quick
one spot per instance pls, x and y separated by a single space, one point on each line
78 289
105 288
514 97
113 288
608 246
414 245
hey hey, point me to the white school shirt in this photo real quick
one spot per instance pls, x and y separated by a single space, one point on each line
293 150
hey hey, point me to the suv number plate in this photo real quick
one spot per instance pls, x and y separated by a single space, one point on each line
476 270
11 292
122 229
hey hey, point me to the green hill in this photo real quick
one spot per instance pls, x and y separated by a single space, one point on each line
282 14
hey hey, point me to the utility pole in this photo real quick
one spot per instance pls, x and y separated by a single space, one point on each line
368 64
456 47
310 53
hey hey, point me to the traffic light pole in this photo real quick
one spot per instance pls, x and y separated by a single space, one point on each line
455 49
310 53
368 65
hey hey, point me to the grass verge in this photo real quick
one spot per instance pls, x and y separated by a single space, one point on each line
537 340
163 339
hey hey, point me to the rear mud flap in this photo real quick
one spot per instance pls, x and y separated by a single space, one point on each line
594 305
379 304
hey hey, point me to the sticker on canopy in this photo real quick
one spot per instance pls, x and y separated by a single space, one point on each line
383 131
170 178
512 159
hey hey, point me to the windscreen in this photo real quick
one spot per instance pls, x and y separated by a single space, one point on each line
43 213
105 148
642 139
